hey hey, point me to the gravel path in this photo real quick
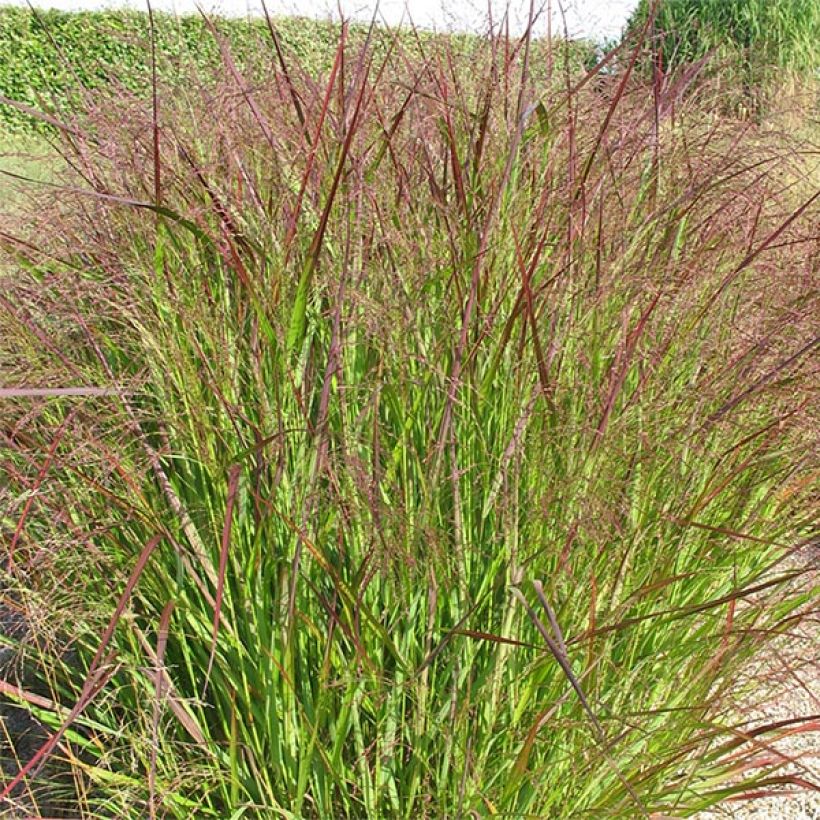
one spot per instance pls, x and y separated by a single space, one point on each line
789 673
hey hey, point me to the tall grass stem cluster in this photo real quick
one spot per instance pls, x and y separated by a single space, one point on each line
414 438
757 48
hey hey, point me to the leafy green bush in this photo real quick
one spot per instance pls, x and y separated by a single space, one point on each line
48 57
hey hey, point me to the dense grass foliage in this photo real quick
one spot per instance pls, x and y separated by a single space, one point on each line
757 44
784 34
429 444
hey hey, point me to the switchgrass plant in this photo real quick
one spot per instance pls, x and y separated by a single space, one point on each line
409 440
757 48
783 34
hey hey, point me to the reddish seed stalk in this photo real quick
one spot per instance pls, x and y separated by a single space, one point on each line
97 676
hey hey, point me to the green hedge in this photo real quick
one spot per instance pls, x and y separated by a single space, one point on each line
46 55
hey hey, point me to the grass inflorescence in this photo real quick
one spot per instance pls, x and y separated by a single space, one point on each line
413 439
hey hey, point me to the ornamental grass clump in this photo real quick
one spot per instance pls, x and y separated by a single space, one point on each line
757 50
406 440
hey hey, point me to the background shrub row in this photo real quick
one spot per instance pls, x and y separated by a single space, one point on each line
46 56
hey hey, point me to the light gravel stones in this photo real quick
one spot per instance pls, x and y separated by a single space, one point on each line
787 678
